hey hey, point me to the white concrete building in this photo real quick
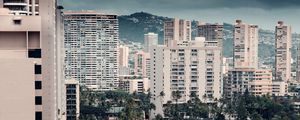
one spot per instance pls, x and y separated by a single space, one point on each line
283 41
133 83
31 60
177 31
91 43
245 43
22 7
192 68
150 39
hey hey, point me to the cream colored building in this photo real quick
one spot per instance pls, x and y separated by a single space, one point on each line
245 45
22 7
211 32
123 56
142 64
192 68
150 39
133 83
255 81
31 61
280 88
283 41
177 31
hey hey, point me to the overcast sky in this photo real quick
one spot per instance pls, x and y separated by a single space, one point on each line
264 13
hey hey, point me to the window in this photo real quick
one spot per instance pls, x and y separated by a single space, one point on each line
34 53
38 100
17 22
37 69
38 115
38 85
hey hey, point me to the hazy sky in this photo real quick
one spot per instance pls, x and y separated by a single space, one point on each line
264 13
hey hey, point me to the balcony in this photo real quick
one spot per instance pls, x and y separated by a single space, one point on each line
15 3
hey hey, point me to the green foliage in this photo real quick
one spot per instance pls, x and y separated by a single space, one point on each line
95 104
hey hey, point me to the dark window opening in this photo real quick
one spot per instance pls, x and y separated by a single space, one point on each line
38 85
17 22
37 69
35 53
38 115
38 100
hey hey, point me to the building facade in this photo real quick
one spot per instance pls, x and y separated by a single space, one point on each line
142 64
255 81
22 7
211 32
150 39
283 41
31 62
133 83
91 43
245 45
177 31
72 99
186 69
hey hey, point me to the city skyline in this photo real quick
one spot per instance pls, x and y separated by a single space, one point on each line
262 13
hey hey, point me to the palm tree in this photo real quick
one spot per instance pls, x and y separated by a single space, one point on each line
176 95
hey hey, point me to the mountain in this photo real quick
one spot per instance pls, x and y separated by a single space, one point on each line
133 27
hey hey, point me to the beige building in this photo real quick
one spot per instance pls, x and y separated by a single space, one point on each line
123 56
72 99
133 83
280 88
245 43
142 64
192 68
22 7
255 81
31 63
150 39
211 32
283 41
177 31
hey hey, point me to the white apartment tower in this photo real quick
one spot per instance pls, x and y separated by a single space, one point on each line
177 31
245 43
283 42
91 43
142 64
211 32
150 39
123 56
21 7
195 67
31 61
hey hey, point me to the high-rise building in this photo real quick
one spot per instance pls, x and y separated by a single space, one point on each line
91 44
255 81
150 39
142 64
31 62
123 56
21 7
283 40
211 32
72 99
185 69
177 31
245 43
298 64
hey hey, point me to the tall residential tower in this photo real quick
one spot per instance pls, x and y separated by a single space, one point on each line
245 43
91 43
283 46
177 31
